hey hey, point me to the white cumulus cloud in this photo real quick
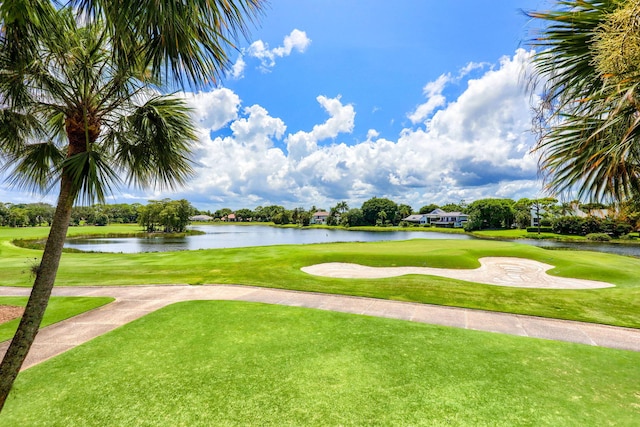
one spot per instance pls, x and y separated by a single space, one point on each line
433 92
342 118
296 41
476 145
215 109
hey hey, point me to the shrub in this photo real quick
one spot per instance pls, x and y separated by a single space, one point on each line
568 225
623 228
592 225
598 237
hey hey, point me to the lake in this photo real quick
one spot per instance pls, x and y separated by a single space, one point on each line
612 248
238 236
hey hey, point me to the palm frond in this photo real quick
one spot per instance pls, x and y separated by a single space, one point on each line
16 130
155 151
192 46
91 175
589 135
35 167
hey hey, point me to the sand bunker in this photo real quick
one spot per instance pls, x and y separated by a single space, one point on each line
516 272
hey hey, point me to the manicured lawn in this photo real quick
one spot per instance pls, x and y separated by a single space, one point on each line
229 363
59 308
279 267
524 234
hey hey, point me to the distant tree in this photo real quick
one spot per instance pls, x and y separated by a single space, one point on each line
4 214
301 216
18 217
382 218
221 213
372 208
282 217
543 208
342 207
588 208
453 207
490 213
267 213
121 213
428 208
336 212
40 213
244 214
259 214
169 216
149 215
101 219
403 212
352 218
522 213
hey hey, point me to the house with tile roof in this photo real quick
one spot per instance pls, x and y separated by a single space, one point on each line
319 217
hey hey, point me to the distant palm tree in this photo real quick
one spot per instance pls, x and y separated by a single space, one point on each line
342 207
80 107
590 117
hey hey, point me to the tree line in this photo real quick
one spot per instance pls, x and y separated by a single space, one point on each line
158 215
173 215
490 213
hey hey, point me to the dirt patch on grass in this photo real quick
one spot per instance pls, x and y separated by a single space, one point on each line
10 312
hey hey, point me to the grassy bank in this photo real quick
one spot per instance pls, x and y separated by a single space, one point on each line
230 363
524 234
279 267
59 308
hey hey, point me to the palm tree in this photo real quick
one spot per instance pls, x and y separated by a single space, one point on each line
342 207
80 107
589 129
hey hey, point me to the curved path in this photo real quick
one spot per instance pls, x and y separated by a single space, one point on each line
133 302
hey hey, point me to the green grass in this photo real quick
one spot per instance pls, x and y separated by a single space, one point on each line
230 363
279 267
59 308
524 234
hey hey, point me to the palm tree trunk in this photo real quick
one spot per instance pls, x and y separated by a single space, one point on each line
42 286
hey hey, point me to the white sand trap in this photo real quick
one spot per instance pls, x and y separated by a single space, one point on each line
516 272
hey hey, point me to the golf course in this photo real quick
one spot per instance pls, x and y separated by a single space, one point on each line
243 363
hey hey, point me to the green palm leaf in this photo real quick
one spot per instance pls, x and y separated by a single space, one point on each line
36 167
154 151
91 175
191 47
588 140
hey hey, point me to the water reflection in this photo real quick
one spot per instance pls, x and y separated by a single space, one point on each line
612 248
237 236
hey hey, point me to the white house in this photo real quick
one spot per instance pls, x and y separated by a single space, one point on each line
440 218
536 215
319 217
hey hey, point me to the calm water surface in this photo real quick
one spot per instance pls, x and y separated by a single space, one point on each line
612 248
237 236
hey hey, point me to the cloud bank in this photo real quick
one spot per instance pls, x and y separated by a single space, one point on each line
476 145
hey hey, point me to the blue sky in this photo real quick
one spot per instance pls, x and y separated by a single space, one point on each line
421 101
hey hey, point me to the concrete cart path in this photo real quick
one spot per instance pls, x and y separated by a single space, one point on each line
133 302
